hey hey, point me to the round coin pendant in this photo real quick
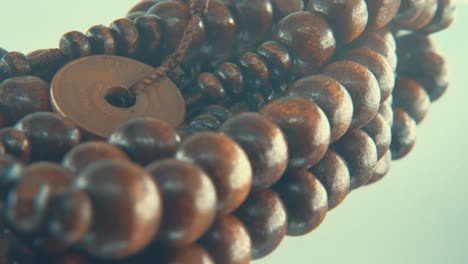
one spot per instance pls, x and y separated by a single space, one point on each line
92 93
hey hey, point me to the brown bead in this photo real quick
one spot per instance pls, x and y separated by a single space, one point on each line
380 132
127 209
264 216
4 70
305 200
403 134
143 6
102 40
278 58
192 254
18 64
231 77
135 15
415 14
146 139
75 45
225 163
219 112
361 85
411 97
388 36
20 96
264 143
10 172
189 201
381 12
386 111
211 88
378 65
228 241
410 44
359 151
309 38
255 71
86 154
207 121
28 202
382 168
46 62
347 18
282 8
3 52
333 173
443 18
16 144
150 34
379 44
306 128
331 97
127 38
51 135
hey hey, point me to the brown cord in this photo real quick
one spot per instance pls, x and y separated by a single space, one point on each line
198 8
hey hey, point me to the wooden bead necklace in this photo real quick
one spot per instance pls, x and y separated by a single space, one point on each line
261 116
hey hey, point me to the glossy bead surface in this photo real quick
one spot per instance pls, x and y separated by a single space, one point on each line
382 168
127 209
51 135
10 172
403 134
225 163
231 77
102 40
75 45
143 6
380 132
410 96
381 12
278 58
146 139
361 85
331 97
210 87
15 143
264 216
309 38
347 18
150 35
255 71
46 62
228 241
282 8
333 173
88 153
217 111
305 200
189 201
193 254
264 144
126 36
207 121
20 96
18 64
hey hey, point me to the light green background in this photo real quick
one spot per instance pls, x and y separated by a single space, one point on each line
418 214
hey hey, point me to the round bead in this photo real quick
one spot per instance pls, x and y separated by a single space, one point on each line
27 203
347 18
20 96
231 78
410 96
102 40
210 87
309 38
46 62
192 254
264 143
386 111
443 18
146 139
126 36
143 6
410 44
306 128
305 200
378 65
75 45
388 36
277 56
264 216
358 150
403 134
380 132
127 209
361 85
415 14
382 168
86 154
18 64
225 163
150 34
379 44
219 112
189 201
333 173
10 173
255 71
51 136
331 97
207 121
16 144
228 241
381 12
282 8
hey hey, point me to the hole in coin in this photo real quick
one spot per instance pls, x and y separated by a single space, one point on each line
120 97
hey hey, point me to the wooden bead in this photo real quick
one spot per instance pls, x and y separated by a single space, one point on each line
331 97
309 38
347 18
228 241
359 151
16 144
264 143
102 40
444 17
379 44
192 254
207 121
143 6
86 154
51 135
189 201
386 111
27 203
361 85
378 65
382 168
231 78
127 38
211 88
278 58
219 112
264 216
282 8
146 139
415 14
381 12
333 173
410 96
75 45
20 96
305 200
18 64
10 172
46 62
4 70
127 209
306 128
410 44
150 34
388 36
225 163
255 71
380 132
403 134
